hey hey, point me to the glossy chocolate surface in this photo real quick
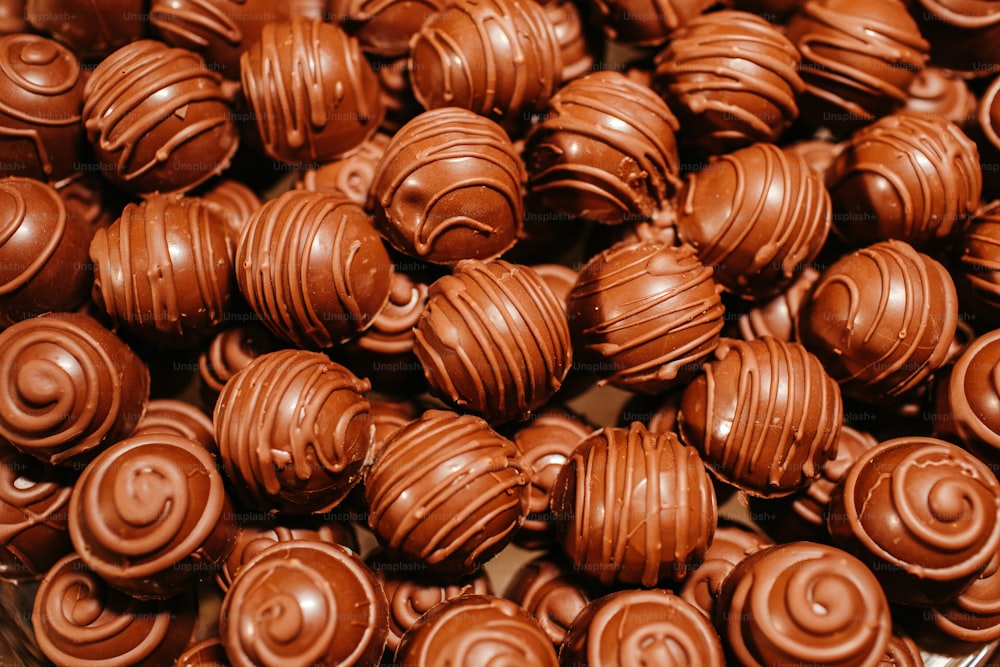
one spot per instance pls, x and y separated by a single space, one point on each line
964 35
180 418
730 544
970 396
90 29
980 255
974 616
643 22
776 316
230 351
237 202
206 653
939 92
384 28
350 175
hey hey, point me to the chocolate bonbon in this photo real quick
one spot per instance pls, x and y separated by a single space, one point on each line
980 255
350 175
177 417
643 22
776 316
731 543
384 29
974 616
237 202
968 405
962 35
90 29
231 350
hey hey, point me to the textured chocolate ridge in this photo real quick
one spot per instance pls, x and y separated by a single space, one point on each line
980 259
973 616
237 201
936 91
776 317
176 417
730 544
392 329
351 175
974 393
548 589
230 351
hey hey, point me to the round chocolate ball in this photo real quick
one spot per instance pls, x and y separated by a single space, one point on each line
294 432
980 255
972 618
91 29
939 92
385 28
968 406
964 35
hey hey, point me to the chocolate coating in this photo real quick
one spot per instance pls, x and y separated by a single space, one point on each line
970 398
294 432
91 29
758 216
180 418
579 45
158 119
645 315
43 251
384 28
42 87
70 387
964 35
939 92
313 268
641 627
604 150
730 544
304 602
776 316
350 175
731 78
476 630
179 244
446 491
151 516
448 187
973 616
312 95
230 351
206 653
880 320
634 508
922 513
910 177
803 602
493 340
79 620
980 255
902 651
643 22
462 57
237 201
559 278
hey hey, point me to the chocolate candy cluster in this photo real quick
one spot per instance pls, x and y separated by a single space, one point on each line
512 332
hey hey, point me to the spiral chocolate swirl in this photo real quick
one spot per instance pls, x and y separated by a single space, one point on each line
70 387
230 351
446 491
176 417
499 368
980 260
802 602
80 621
392 329
206 653
548 589
730 544
294 432
972 397
157 118
636 627
476 630
313 268
922 513
635 508
938 92
304 602
973 616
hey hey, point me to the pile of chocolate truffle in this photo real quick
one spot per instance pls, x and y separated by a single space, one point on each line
307 307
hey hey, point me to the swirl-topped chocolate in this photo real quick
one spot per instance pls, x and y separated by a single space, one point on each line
177 417
776 316
969 398
350 175
230 351
294 432
70 386
731 543
980 259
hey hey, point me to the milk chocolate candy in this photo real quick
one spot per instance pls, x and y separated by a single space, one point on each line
962 35
230 351
980 255
384 29
91 29
643 22
730 544
939 92
350 175
968 399
237 202
177 417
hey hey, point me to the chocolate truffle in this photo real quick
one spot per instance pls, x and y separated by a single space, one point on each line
180 245
463 54
802 602
974 616
980 255
237 202
33 502
880 320
313 268
911 177
631 507
964 35
151 515
731 78
922 514
448 187
493 340
476 630
939 92
304 602
158 119
40 131
643 22
558 277
758 216
294 432
91 29
645 315
902 651
230 351
858 59
350 175
80 620
70 387
384 28
446 491
12 18
177 417
43 251
206 653
730 544
776 316
579 45
311 94
548 589
604 150
968 405
641 627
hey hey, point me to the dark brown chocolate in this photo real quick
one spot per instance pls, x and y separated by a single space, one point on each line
972 618
237 202
964 35
939 92
776 316
206 653
643 22
980 255
967 408
91 29
384 28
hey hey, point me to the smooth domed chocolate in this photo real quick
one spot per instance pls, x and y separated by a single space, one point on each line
643 22
151 516
922 514
644 315
448 187
909 177
802 602
858 59
71 387
43 251
177 417
969 398
350 175
731 78
758 216
776 316
304 602
294 432
641 627
384 28
164 270
311 93
604 150
980 255
78 619
40 131
446 491
880 320
476 630
493 340
313 268
731 543
631 507
158 119
964 35
91 29
237 203
463 53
